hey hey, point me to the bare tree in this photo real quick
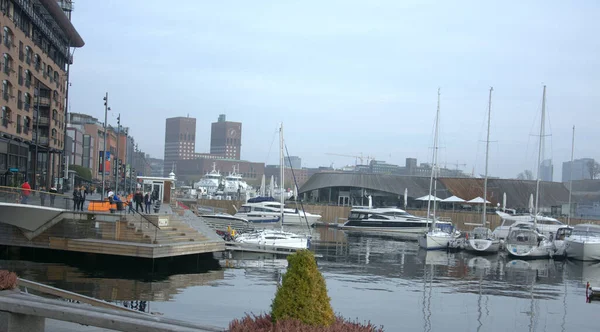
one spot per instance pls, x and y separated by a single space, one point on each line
594 169
525 175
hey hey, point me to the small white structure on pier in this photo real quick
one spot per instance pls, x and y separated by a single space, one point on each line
164 186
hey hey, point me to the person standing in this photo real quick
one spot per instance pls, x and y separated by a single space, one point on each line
43 195
25 192
138 198
76 198
147 202
82 197
53 192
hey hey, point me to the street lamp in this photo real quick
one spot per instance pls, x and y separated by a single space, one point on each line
106 109
117 165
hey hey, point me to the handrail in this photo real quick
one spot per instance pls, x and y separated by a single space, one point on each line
156 227
19 189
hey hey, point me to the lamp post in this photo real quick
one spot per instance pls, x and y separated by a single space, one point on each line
37 135
118 166
106 109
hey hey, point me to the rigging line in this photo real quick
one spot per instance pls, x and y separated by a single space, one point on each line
271 147
296 184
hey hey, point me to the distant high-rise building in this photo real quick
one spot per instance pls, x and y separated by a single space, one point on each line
180 141
580 168
226 138
294 162
546 170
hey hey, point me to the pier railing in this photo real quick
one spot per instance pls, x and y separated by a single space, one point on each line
35 197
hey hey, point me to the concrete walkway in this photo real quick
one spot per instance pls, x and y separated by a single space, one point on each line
60 326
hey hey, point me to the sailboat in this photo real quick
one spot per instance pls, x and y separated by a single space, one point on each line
524 240
481 240
271 237
436 238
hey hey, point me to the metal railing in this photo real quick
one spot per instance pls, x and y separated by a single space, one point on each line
35 197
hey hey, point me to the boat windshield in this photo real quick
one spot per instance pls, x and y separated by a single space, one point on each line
244 209
593 232
481 233
523 237
397 214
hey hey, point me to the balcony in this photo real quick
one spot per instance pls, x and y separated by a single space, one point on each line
43 121
44 101
42 140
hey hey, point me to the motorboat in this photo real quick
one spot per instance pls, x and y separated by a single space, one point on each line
546 225
481 240
266 207
234 184
559 241
209 183
584 243
274 238
437 237
525 241
388 220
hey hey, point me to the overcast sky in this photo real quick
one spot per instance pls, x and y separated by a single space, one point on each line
349 77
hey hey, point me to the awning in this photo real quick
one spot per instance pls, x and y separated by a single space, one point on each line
453 199
478 200
429 198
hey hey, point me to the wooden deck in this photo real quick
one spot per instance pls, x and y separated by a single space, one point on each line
117 234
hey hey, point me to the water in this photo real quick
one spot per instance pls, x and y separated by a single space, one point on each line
386 281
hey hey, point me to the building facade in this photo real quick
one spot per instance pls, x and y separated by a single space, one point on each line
226 138
180 141
36 40
546 170
293 161
75 151
579 168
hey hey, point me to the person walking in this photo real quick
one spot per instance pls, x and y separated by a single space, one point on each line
138 198
25 192
43 195
147 202
82 197
53 192
76 198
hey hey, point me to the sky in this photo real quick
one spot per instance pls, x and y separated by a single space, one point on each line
349 77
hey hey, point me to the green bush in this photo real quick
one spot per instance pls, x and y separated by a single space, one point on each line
303 294
264 323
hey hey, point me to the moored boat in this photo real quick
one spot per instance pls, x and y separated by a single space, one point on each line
584 243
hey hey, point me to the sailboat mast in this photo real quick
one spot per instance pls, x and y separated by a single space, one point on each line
435 158
487 158
281 171
539 163
571 176
432 163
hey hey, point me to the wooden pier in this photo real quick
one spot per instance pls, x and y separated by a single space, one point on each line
171 232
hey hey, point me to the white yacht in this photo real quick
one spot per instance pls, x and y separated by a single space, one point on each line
437 237
559 241
482 240
526 242
234 184
388 220
546 225
584 243
265 207
274 239
210 182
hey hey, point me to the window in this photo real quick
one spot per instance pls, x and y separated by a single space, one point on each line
26 125
55 97
37 62
6 90
50 72
19 100
56 79
28 55
54 114
20 76
19 129
27 101
21 55
6 114
8 37
27 78
7 64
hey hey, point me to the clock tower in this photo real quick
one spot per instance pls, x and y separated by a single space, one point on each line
226 138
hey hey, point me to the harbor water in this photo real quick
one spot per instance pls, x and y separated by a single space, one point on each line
383 280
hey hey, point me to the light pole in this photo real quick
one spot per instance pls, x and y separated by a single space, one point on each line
106 109
117 164
37 135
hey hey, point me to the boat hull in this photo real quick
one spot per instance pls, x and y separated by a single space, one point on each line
530 251
483 246
274 240
435 240
583 250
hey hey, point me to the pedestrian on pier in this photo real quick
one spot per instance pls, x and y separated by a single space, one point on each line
147 202
82 196
76 198
53 192
43 195
138 198
25 192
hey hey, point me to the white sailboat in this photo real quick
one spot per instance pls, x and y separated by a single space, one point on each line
481 240
524 240
435 238
276 238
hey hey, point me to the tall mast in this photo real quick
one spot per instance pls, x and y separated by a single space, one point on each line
435 158
281 166
539 164
487 158
571 176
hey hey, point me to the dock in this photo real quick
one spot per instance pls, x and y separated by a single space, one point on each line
170 232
